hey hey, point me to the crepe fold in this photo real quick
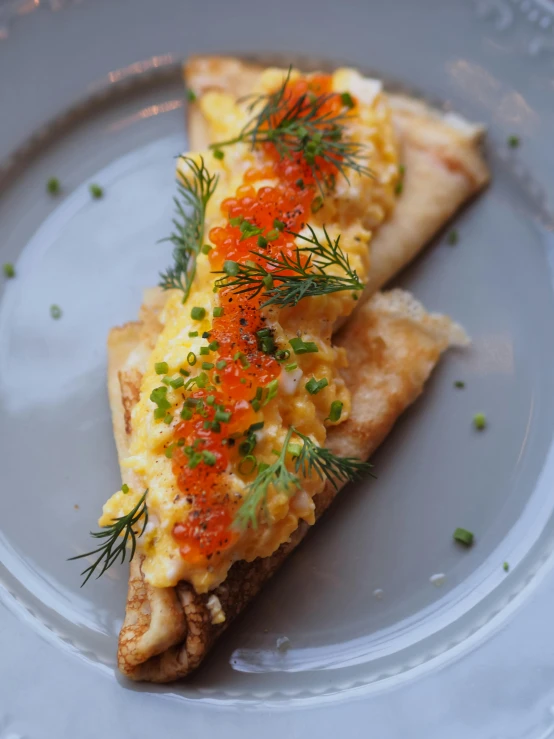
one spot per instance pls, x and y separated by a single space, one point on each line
391 342
392 345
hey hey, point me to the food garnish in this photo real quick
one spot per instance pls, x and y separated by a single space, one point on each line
452 237
194 193
123 530
463 536
53 186
96 191
307 123
285 280
480 421
55 312
513 141
459 384
9 270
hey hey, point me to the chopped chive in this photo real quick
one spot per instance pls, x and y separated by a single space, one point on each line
399 187
272 389
197 313
204 351
506 567
452 237
193 334
202 380
513 141
294 449
221 364
256 426
223 416
242 380
207 365
166 380
347 99
168 418
209 457
186 414
161 368
281 355
262 242
459 383
247 465
191 358
317 204
479 421
272 235
9 270
256 405
231 268
300 183
303 347
463 536
191 96
210 400
335 412
177 382
207 425
206 248
159 413
219 154
313 386
402 170
184 372
236 221
124 488
53 186
205 334
96 191
193 402
55 312
291 367
217 312
214 346
169 451
279 225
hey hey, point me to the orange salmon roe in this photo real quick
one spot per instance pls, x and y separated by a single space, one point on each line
207 529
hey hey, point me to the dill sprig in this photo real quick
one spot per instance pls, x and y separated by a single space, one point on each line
275 474
115 536
307 458
304 126
287 280
193 195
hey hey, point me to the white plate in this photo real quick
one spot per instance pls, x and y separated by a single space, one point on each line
472 657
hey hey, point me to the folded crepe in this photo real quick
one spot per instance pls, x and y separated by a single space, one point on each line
391 344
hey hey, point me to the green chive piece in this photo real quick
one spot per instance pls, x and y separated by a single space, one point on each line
204 351
210 400
303 347
197 313
168 419
191 358
294 449
206 249
256 426
262 242
9 270
272 389
256 405
452 238
463 536
202 380
191 96
124 488
184 372
213 346
513 141
217 312
335 412
291 367
209 457
402 170
159 413
399 187
279 225
207 365
221 364
272 235
223 416
169 451
231 268
300 184
317 204
96 191
219 154
506 567
53 186
242 380
161 368
55 312
186 414
247 465
347 99
193 334
479 421
459 383
313 386
177 382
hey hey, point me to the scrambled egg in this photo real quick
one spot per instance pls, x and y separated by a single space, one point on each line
353 210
